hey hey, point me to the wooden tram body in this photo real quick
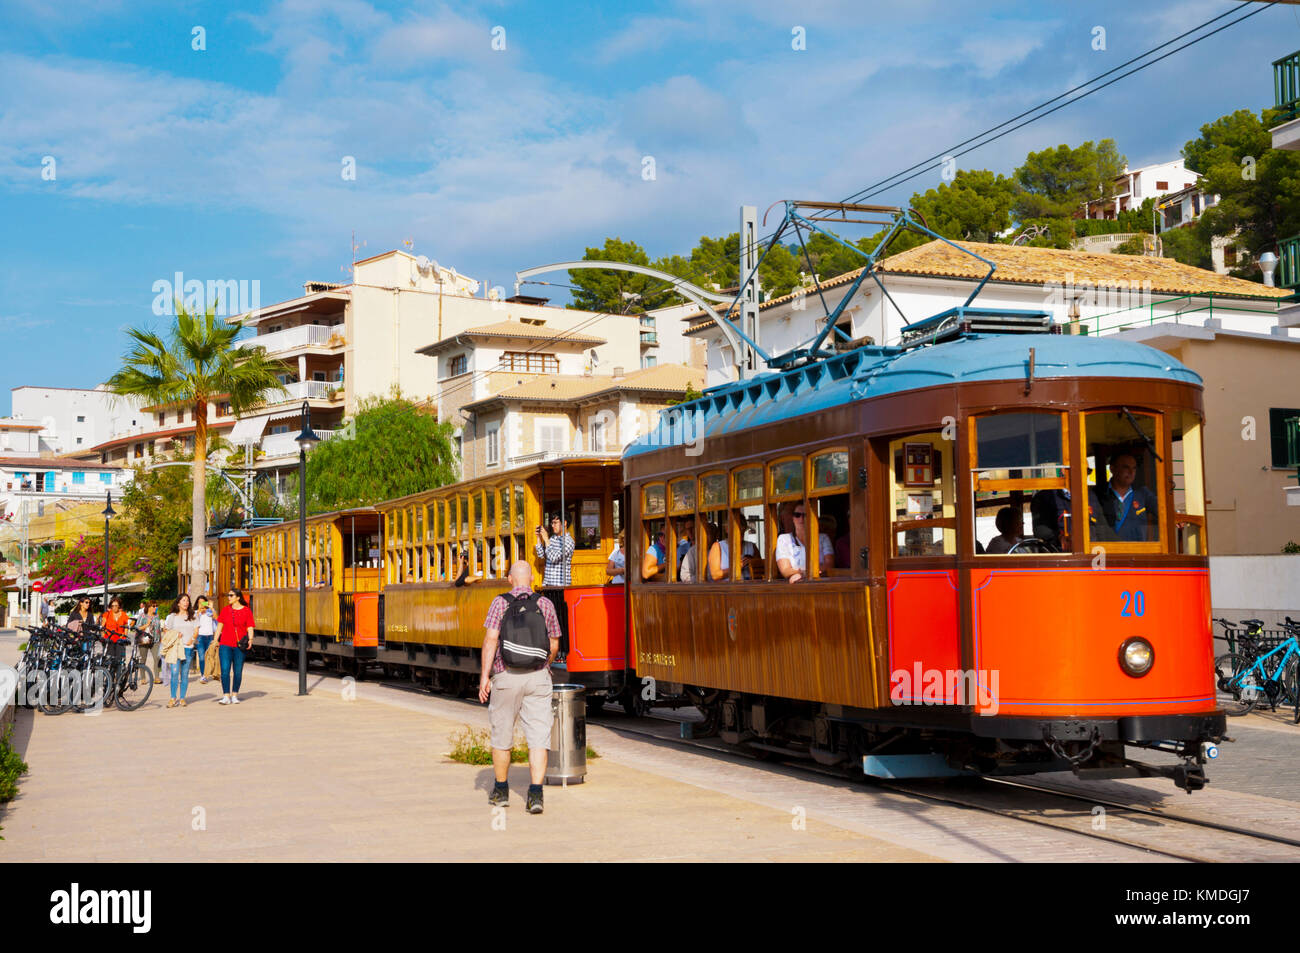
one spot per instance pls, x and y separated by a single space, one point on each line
381 580
913 651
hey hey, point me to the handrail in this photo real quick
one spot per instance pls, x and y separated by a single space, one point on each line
1286 84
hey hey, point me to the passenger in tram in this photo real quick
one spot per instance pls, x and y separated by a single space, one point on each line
719 559
689 571
557 551
1009 526
617 562
1121 510
791 545
1050 512
656 559
463 578
684 543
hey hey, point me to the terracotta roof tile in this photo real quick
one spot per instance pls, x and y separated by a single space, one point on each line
1026 264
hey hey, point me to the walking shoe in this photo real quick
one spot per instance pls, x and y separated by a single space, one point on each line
234 699
157 681
534 802
171 703
183 703
225 700
499 797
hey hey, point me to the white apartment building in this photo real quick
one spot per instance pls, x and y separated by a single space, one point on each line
397 324
74 419
1135 186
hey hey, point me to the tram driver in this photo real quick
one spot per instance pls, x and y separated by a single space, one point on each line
1121 510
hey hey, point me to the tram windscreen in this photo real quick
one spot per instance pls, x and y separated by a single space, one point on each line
1123 500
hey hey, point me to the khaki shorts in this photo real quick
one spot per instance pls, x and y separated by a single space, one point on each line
526 697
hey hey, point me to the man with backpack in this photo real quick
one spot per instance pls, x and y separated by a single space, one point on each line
523 636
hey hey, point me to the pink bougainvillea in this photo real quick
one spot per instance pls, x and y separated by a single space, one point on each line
82 565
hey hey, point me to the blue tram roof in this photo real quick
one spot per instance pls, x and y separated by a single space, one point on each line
877 371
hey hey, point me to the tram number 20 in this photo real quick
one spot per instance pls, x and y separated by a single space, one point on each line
1135 605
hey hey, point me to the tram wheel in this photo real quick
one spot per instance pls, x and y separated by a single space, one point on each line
633 703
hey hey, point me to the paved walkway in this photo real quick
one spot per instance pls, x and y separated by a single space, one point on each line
366 778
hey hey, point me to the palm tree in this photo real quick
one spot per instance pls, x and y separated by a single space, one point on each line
198 363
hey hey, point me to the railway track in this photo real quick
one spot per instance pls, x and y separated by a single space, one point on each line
1155 832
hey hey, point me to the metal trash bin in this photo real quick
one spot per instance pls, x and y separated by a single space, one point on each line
566 760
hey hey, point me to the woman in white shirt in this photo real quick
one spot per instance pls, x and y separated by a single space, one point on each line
617 562
791 546
180 632
207 629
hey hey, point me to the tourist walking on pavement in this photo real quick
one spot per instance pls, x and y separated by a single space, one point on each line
180 630
523 635
234 637
148 624
207 631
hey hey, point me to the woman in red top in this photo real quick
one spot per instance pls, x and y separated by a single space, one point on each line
115 623
234 636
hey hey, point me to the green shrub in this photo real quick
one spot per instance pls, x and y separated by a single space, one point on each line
12 767
1291 547
474 746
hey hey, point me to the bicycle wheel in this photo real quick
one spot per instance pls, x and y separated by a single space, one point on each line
1290 678
1237 683
135 688
55 693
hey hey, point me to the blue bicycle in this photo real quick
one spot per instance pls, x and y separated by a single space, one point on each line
1247 679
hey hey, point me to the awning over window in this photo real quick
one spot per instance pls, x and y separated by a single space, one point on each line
248 430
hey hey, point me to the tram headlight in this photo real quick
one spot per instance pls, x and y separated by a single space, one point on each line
1136 656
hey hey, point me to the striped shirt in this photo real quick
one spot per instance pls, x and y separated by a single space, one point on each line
558 555
498 609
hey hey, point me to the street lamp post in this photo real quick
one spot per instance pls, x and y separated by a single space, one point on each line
109 513
306 440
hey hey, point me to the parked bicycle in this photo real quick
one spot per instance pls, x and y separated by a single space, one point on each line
1258 674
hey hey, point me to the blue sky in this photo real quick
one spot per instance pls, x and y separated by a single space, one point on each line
225 163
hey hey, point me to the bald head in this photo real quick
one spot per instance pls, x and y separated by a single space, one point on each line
520 575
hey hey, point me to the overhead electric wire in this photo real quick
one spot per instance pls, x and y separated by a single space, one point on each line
888 183
875 190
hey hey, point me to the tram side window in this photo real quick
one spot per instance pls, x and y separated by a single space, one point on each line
682 546
748 532
828 490
1020 481
715 528
1189 484
1124 500
654 541
922 496
583 521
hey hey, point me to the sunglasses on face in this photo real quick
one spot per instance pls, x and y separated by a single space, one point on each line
798 516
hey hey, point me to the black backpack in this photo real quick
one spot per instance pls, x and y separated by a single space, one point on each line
524 641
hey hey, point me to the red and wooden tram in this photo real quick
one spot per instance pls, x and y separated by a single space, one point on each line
920 638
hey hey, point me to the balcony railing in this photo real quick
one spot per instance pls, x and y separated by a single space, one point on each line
1286 84
1288 263
649 337
284 444
306 390
306 335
